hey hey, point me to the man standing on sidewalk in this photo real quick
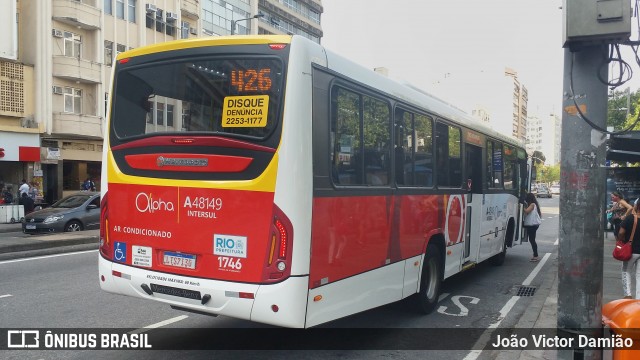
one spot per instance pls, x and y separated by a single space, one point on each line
24 188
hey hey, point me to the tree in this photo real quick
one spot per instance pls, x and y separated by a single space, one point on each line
548 174
631 121
617 108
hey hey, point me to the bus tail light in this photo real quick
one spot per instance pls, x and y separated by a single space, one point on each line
105 243
279 248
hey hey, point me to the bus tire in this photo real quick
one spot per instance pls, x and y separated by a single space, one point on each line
430 281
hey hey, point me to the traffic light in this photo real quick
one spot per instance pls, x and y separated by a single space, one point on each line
1 153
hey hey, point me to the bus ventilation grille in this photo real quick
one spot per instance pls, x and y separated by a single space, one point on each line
526 291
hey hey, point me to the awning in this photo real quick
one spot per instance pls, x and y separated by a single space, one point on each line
624 147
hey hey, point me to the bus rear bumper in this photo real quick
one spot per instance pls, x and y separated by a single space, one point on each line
227 298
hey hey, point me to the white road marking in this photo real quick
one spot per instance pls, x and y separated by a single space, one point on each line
46 257
4 296
537 269
557 242
160 324
486 335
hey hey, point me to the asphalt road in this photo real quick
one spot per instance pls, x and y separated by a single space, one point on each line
62 291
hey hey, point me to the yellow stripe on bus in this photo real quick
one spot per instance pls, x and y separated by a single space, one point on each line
202 42
266 182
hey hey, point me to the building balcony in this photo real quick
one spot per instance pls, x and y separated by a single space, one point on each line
76 69
189 9
77 125
76 13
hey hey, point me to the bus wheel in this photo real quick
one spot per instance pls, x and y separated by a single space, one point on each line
430 281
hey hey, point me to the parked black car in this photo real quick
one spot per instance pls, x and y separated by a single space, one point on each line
80 211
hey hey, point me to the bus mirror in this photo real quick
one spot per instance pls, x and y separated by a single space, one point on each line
533 172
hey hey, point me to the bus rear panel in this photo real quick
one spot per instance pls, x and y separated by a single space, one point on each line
188 210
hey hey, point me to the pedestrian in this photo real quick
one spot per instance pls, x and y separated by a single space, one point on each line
24 188
27 202
532 220
89 185
630 289
33 191
618 211
7 195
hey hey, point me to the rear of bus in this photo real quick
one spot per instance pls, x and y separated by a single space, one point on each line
191 212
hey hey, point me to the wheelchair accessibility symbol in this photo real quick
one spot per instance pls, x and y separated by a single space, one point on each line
120 251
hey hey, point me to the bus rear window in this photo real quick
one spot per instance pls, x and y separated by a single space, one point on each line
238 97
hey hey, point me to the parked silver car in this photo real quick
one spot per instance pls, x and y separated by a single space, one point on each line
543 191
80 211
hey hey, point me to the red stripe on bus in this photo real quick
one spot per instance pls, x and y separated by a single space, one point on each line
215 163
353 235
213 141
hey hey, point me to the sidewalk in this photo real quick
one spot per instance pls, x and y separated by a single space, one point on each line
543 311
46 244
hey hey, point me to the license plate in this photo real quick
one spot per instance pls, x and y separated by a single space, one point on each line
30 227
173 291
186 261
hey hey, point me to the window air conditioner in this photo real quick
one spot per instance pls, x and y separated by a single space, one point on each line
57 90
172 16
151 8
193 31
56 33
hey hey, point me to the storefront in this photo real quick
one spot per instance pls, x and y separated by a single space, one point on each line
19 158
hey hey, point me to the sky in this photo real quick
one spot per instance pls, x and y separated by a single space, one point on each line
439 45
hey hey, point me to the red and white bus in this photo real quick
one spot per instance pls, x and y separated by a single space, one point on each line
269 179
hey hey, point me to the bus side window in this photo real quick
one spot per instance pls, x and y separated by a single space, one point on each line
345 137
377 138
448 156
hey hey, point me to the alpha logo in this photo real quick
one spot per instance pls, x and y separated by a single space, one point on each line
145 203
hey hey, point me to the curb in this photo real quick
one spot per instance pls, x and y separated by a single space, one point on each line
46 246
7 228
58 249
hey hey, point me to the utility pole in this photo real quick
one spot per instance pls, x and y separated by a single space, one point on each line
582 177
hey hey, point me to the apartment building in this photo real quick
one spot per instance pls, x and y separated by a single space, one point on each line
296 17
544 135
507 102
67 47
